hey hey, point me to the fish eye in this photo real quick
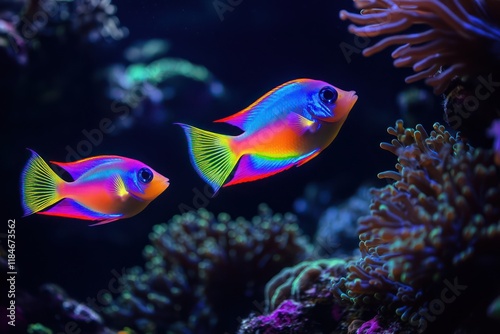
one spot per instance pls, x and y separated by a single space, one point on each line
328 94
145 175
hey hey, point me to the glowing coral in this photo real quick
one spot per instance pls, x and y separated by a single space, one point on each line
462 36
199 265
441 212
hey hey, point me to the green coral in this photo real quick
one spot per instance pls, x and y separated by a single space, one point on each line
429 247
198 265
440 215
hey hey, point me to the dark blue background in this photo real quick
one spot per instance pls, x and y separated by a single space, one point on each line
259 45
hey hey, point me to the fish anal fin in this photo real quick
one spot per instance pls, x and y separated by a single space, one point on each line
309 158
70 208
253 167
107 221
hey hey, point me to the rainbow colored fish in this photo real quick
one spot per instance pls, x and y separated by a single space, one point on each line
105 188
288 126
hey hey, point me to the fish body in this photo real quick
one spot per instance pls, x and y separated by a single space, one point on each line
104 188
286 127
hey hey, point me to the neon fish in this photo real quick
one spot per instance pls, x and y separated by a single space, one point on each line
105 188
288 126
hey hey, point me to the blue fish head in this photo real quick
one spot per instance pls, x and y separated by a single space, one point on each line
143 182
326 102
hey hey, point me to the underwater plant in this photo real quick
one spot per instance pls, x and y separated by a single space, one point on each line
463 36
198 265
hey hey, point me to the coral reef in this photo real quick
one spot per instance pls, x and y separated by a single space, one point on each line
336 234
429 248
53 311
198 265
301 298
26 24
463 36
430 227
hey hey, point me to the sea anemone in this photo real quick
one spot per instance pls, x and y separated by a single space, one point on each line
463 36
438 223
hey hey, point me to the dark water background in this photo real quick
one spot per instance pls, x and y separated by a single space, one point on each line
260 44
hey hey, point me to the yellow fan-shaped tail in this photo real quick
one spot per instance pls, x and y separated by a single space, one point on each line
210 155
38 185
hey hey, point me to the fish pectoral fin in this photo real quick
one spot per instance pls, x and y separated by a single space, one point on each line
119 188
301 124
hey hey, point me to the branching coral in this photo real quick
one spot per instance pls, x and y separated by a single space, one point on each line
199 265
440 215
463 37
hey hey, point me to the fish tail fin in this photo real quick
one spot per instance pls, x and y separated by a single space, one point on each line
39 185
211 155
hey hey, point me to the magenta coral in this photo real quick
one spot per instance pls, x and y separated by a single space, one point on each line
462 37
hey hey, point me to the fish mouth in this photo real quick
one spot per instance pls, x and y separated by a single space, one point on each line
353 98
345 104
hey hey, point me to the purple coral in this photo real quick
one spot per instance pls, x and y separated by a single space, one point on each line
494 132
462 38
287 318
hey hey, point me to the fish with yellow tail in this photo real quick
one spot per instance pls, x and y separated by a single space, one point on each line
104 188
288 126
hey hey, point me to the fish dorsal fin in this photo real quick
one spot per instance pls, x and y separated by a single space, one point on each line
247 116
119 187
77 168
